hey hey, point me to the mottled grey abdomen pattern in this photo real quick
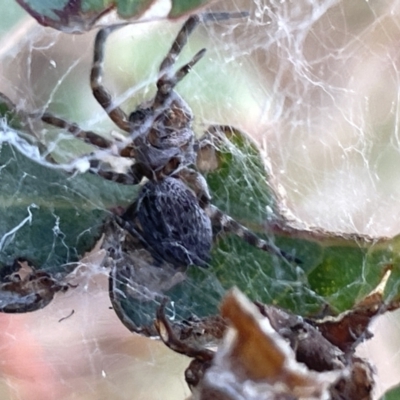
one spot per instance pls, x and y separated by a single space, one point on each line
173 224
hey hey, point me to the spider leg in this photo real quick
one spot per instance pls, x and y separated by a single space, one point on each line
103 97
87 136
167 81
132 176
178 44
182 37
129 226
197 183
228 224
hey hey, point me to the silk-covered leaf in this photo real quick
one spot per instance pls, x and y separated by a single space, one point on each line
335 270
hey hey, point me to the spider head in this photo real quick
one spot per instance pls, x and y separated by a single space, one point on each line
167 133
164 121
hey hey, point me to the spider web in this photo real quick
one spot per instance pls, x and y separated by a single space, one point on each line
315 83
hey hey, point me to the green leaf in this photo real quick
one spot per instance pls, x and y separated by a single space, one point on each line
8 112
392 394
52 220
180 7
72 16
48 217
336 270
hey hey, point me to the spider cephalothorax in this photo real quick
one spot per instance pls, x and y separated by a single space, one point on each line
173 215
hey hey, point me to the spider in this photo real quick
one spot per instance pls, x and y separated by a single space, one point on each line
173 216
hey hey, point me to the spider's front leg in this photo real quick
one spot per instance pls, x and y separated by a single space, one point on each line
168 80
132 176
101 94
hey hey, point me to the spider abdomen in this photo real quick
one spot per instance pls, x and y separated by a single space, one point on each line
173 224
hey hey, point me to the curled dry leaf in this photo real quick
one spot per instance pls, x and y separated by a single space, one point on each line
256 362
349 328
24 289
269 353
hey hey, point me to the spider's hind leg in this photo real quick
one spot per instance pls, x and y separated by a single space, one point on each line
227 224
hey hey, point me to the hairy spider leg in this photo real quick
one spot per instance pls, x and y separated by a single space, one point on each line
87 136
182 37
129 226
167 81
101 94
131 177
229 225
178 44
165 84
73 128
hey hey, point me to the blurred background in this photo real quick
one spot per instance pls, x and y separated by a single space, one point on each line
315 83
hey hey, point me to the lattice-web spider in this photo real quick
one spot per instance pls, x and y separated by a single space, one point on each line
173 216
